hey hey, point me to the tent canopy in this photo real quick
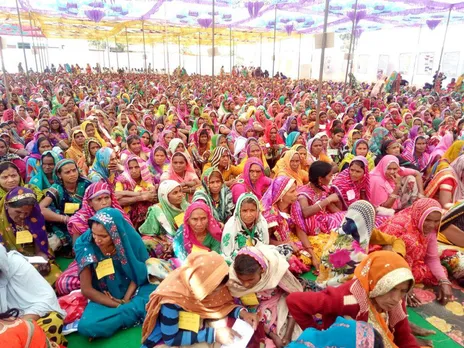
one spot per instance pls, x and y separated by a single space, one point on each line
188 21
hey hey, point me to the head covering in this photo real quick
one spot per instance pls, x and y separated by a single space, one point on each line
189 174
155 169
292 138
261 183
192 287
40 179
125 178
283 168
453 152
100 165
350 190
217 154
267 135
96 135
87 156
375 142
381 186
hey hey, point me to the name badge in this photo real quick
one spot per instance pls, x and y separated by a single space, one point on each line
104 268
71 208
23 237
179 219
189 321
350 194
250 300
196 249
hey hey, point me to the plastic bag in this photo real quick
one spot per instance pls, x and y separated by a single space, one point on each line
74 305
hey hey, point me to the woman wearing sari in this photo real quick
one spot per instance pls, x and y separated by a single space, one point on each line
164 219
198 287
91 132
199 232
381 282
58 135
23 230
117 297
63 199
253 179
158 163
276 144
360 148
290 165
316 150
199 147
90 148
105 166
6 156
394 187
216 195
33 161
253 149
43 180
221 159
134 148
75 151
417 226
263 272
416 154
378 136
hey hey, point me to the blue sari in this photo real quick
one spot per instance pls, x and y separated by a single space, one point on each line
40 179
99 170
129 265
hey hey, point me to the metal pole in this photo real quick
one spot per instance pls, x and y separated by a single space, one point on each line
144 50
103 54
152 56
127 49
261 53
109 58
22 41
164 53
416 56
273 51
32 38
5 77
299 57
117 53
167 60
351 44
178 40
321 67
230 50
444 38
48 56
41 58
212 72
199 52
167 45
42 53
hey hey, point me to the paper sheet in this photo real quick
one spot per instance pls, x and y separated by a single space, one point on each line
245 330
36 259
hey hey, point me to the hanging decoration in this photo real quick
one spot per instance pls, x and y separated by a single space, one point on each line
254 7
433 23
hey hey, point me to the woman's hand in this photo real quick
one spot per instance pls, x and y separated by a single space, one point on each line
107 293
397 178
445 293
413 301
333 198
225 335
250 318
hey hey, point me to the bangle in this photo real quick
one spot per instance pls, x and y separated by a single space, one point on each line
319 205
444 281
392 195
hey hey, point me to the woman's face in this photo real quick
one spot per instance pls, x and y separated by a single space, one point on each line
80 139
175 196
225 160
364 111
179 164
90 130
215 184
325 180
421 145
44 146
45 131
100 202
394 149
300 140
101 237
148 122
160 157
198 221
18 215
168 137
351 112
136 146
48 164
9 179
204 139
180 148
255 151
387 302
290 196
22 112
371 120
146 139
69 173
295 162
134 169
273 134
55 125
293 124
392 170
303 154
349 124
316 148
3 148
431 223
304 120
356 172
133 130
239 127
255 173
417 123
389 125
323 118
124 120
248 281
450 122
93 148
356 136
361 150
249 213
408 118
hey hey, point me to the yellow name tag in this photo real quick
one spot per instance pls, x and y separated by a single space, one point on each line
189 321
165 167
71 208
250 300
104 268
196 249
249 242
23 237
179 219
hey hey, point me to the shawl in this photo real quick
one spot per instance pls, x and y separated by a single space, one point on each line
349 244
96 135
155 169
195 287
215 141
60 133
40 179
322 156
75 152
216 155
283 168
453 152
375 277
8 157
125 178
99 170
375 142
173 144
161 138
34 223
445 142
267 135
351 191
292 138
254 142
160 217
78 223
410 154
87 156
236 228
189 174
221 210
350 155
244 183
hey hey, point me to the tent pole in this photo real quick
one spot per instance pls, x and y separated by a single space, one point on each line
32 38
164 54
22 41
321 67
127 49
230 50
144 49
199 52
444 38
261 52
37 43
273 51
353 27
109 57
178 40
299 57
117 53
152 57
212 72
5 77
416 55
48 56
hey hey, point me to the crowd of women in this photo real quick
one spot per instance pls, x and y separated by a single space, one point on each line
186 208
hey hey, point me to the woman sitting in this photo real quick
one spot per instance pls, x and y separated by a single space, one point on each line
394 187
253 150
23 229
393 148
253 179
105 166
198 289
417 226
63 199
181 170
452 226
91 146
246 227
10 178
33 161
417 154
262 274
381 282
134 148
199 147
199 232
75 151
353 182
113 275
43 180
316 150
290 165
164 219
360 148
220 158
23 288
216 195
134 189
158 163
11 156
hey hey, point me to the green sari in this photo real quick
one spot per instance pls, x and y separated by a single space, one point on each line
40 179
